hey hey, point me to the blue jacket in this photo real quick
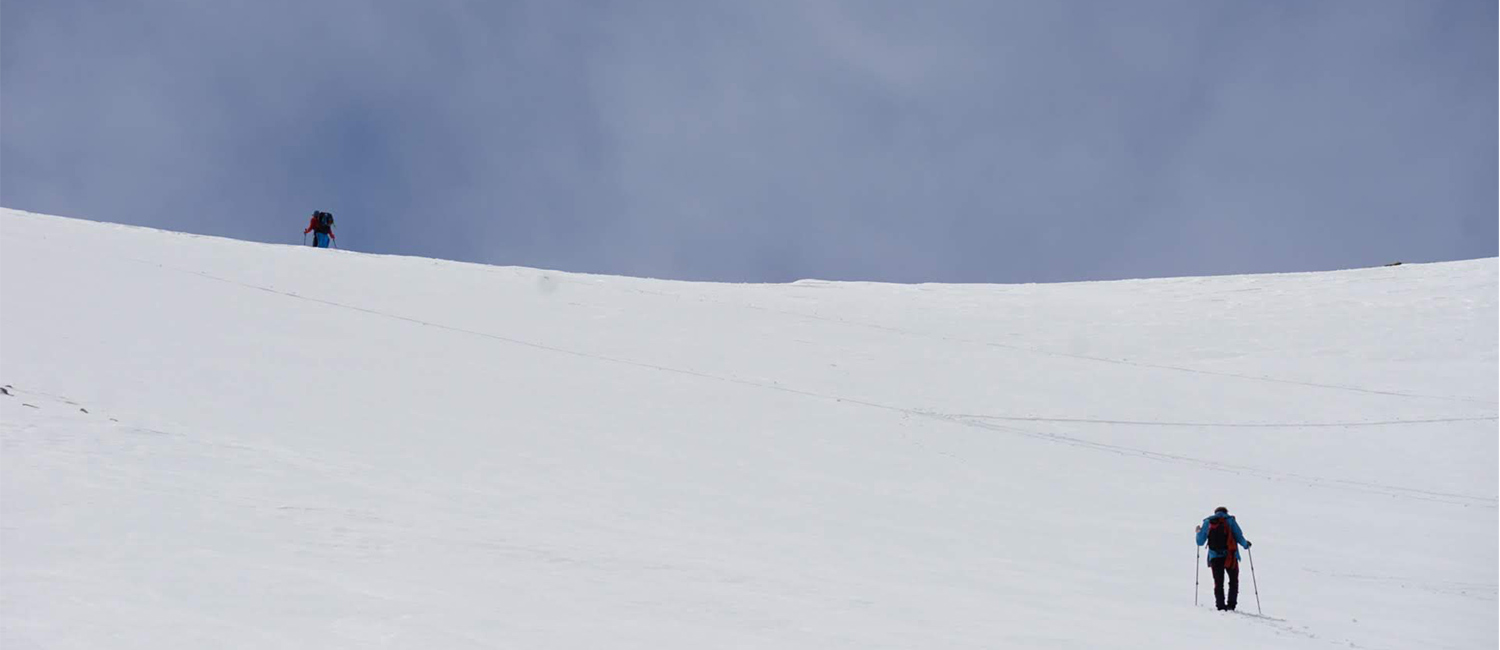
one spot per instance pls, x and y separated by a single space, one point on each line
1239 535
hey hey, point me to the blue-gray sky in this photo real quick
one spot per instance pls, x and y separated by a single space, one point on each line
971 141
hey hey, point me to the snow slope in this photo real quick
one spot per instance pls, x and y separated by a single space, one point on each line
213 443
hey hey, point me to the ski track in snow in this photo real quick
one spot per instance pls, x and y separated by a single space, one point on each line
1231 425
1475 590
918 334
1245 470
1083 357
969 421
337 539
1287 628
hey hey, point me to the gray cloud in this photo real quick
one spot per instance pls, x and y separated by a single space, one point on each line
956 141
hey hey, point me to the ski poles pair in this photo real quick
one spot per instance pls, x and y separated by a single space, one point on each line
1197 569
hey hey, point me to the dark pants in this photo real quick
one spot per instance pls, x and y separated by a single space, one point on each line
1217 564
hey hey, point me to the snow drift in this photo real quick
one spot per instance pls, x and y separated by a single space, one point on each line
213 443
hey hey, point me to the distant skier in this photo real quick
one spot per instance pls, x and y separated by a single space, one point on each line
321 226
1221 533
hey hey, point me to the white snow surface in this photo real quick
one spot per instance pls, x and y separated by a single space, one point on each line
218 444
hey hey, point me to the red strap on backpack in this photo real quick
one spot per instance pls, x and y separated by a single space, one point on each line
1231 553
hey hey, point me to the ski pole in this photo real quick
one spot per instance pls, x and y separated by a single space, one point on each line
1253 583
304 239
1197 568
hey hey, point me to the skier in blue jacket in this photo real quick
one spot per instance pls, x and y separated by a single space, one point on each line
1221 532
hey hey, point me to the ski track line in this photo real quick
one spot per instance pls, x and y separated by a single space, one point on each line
1357 486
335 470
1288 628
966 341
1085 357
1206 425
99 416
1281 625
1471 590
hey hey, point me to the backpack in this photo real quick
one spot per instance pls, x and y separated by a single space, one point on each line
1218 534
325 219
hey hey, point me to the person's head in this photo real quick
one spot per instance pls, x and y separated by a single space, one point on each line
1221 510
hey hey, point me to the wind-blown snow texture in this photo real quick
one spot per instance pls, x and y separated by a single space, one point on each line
212 443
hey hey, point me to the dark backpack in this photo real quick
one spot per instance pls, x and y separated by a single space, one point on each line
325 219
1218 535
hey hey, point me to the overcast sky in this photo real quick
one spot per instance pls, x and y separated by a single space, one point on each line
770 140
